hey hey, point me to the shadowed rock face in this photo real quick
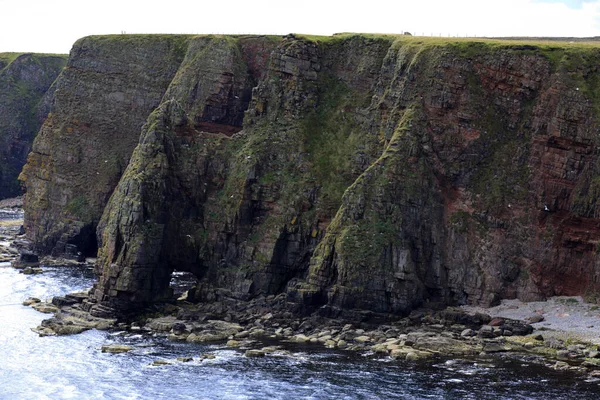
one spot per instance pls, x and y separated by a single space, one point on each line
25 99
351 172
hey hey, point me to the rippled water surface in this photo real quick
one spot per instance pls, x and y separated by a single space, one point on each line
73 367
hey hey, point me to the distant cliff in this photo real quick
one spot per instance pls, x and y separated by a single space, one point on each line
351 172
25 97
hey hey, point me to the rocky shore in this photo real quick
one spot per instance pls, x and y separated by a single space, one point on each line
253 327
546 332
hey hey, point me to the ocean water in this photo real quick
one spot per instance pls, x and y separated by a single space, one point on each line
73 367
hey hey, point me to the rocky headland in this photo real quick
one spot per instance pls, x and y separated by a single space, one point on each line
315 186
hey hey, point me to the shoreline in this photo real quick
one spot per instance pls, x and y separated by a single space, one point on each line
560 332
563 317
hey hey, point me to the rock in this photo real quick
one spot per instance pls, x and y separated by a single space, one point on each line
45 308
486 331
379 348
178 338
270 349
533 319
61 301
561 366
468 333
31 271
233 343
495 348
362 339
341 344
300 338
443 345
563 354
162 324
44 331
116 348
324 338
157 363
254 353
206 337
427 191
496 322
31 300
287 332
179 328
257 333
412 356
591 363
185 359
242 335
207 356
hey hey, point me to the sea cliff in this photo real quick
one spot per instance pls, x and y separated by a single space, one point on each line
352 172
26 94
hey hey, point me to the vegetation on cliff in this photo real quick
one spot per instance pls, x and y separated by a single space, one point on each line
376 172
25 94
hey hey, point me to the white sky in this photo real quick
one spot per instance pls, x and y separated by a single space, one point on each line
53 25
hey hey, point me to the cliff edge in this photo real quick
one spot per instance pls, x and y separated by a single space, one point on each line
25 100
366 172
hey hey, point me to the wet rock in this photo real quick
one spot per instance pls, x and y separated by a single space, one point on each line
258 333
163 324
254 353
157 363
116 348
206 337
31 300
61 301
300 338
362 338
185 359
233 343
242 335
32 271
45 308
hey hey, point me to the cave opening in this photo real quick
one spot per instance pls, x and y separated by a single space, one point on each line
181 282
85 242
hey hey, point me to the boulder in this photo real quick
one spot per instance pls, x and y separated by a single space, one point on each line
116 348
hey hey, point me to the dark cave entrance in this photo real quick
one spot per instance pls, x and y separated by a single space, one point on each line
85 242
181 282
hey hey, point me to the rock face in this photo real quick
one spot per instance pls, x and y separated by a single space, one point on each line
103 97
351 172
25 99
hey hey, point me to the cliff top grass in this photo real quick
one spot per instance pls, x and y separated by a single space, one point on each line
516 42
7 58
171 36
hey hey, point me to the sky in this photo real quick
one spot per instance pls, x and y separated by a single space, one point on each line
52 26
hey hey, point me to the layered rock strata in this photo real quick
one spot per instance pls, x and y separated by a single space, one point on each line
26 94
377 173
